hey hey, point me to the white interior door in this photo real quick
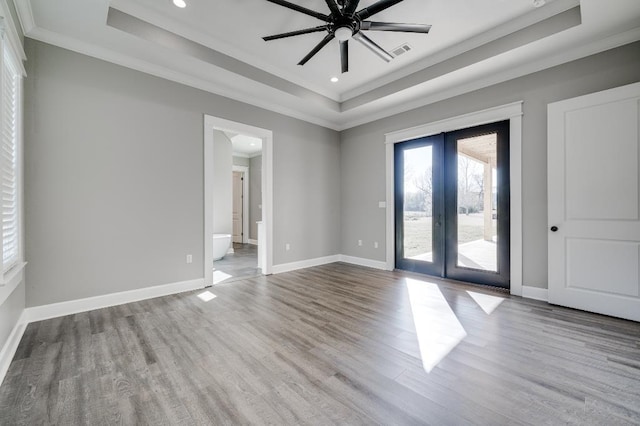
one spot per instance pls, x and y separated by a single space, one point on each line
594 202
238 188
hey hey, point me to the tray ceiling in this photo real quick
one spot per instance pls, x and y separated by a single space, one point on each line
217 46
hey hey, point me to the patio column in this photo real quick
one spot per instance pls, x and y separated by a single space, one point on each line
488 195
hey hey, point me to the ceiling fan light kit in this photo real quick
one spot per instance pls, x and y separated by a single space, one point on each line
343 33
344 23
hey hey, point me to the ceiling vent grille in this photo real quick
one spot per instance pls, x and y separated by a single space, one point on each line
400 50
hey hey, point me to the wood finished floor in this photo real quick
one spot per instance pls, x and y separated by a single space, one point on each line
243 263
335 344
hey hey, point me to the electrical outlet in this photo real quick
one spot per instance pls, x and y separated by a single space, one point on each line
359 242
189 258
375 245
287 247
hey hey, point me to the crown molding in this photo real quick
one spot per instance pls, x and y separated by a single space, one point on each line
417 95
426 98
530 19
223 46
25 15
127 61
11 31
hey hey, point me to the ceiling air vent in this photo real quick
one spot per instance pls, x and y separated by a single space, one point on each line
404 48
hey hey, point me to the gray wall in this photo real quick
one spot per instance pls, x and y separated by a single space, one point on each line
363 153
114 178
222 184
255 195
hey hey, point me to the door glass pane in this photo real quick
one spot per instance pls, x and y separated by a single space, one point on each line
477 192
418 203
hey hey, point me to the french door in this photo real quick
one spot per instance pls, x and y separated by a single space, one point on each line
452 204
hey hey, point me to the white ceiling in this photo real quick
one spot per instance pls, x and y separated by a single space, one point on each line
245 146
217 46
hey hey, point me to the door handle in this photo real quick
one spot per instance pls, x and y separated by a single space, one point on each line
554 228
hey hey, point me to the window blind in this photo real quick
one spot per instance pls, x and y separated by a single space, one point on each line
9 143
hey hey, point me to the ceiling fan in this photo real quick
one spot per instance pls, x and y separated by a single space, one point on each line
344 23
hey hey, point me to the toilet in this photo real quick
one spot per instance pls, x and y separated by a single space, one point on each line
221 244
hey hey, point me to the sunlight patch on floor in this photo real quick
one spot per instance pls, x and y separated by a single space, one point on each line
219 276
487 302
206 296
437 327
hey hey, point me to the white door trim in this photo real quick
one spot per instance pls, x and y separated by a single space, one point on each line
245 201
511 112
214 123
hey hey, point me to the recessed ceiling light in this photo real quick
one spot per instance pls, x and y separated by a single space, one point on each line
180 3
253 144
334 79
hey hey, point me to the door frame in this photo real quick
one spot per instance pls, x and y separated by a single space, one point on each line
265 248
511 112
245 200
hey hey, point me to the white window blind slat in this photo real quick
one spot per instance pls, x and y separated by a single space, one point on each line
9 176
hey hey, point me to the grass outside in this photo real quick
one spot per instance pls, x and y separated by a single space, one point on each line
418 232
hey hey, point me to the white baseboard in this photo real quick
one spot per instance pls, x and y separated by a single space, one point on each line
535 293
254 242
39 313
287 267
363 262
230 251
11 345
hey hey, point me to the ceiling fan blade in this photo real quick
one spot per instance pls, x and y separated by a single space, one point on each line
295 33
390 26
316 49
301 9
344 55
333 7
372 46
351 7
375 8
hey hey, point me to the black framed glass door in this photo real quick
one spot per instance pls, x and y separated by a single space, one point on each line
452 205
419 205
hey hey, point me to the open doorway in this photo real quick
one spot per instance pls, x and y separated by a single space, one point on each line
237 195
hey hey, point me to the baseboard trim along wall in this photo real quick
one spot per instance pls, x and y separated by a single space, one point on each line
11 346
308 263
288 267
39 313
535 293
360 261
253 242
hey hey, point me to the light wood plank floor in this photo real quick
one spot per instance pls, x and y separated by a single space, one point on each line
335 344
